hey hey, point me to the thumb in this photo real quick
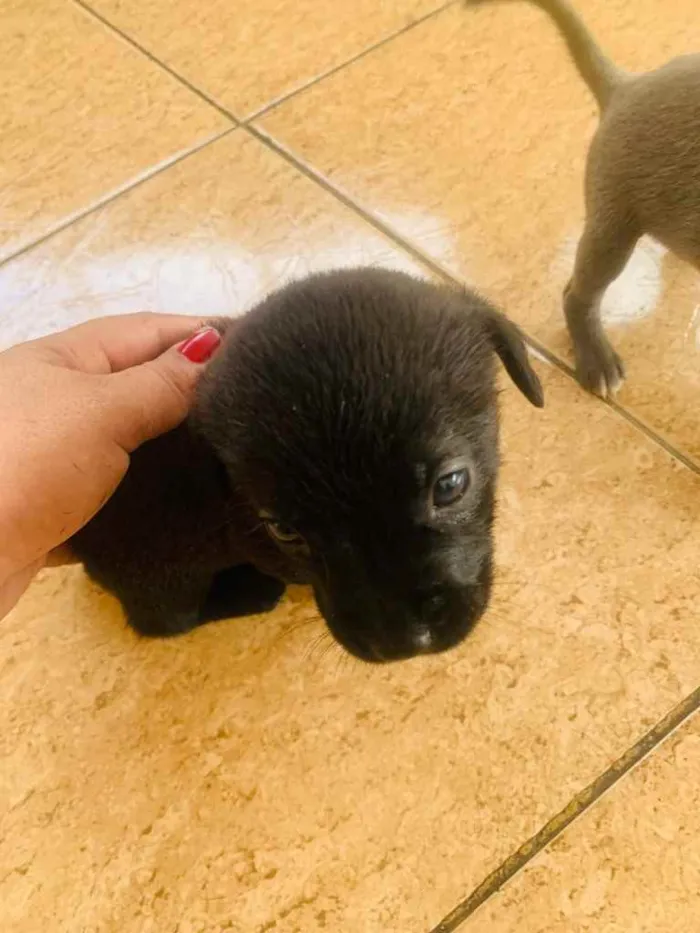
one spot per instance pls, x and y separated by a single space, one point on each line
155 397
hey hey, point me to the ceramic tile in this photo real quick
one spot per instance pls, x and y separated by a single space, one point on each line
249 53
476 154
209 236
631 864
81 115
241 778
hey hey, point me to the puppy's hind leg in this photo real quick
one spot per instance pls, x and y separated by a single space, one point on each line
602 254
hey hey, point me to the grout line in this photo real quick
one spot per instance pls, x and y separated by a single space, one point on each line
388 231
622 412
572 811
128 186
346 200
628 415
229 115
287 95
155 61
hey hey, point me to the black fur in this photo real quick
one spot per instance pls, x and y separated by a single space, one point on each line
332 408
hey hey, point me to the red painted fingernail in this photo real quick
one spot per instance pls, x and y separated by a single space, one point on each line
201 346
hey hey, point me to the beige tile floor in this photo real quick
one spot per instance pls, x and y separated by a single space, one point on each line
543 777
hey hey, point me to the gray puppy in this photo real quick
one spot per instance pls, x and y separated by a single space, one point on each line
642 176
345 435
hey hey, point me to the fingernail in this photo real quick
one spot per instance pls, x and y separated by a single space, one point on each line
201 346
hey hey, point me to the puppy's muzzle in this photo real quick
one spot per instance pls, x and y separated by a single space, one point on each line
378 629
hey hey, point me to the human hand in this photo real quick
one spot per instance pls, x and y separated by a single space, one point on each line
73 406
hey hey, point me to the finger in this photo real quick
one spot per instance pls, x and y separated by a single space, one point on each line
155 397
112 344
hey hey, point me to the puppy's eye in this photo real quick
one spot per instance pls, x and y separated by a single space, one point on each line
450 487
285 534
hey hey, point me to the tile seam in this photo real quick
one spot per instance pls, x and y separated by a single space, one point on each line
580 804
363 53
114 195
154 60
285 95
210 101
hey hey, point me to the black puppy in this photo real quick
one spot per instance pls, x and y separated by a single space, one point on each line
346 436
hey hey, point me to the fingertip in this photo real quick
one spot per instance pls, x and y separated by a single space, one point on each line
201 346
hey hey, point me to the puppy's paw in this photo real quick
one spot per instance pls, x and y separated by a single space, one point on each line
154 622
599 369
241 591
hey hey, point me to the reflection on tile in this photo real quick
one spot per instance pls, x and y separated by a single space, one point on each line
247 54
631 864
487 135
81 115
209 236
238 778
638 290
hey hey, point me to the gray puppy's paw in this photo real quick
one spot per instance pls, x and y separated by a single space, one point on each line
599 369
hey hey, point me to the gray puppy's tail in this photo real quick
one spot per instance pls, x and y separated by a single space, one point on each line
596 69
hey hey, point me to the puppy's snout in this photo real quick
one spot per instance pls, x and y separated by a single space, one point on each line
381 626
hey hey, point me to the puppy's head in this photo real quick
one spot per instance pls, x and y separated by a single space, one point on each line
356 413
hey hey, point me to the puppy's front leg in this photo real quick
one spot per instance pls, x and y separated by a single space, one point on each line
241 591
602 254
169 606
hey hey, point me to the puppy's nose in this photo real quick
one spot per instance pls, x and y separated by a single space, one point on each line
424 632
422 638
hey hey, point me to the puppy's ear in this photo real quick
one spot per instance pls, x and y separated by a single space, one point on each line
508 342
